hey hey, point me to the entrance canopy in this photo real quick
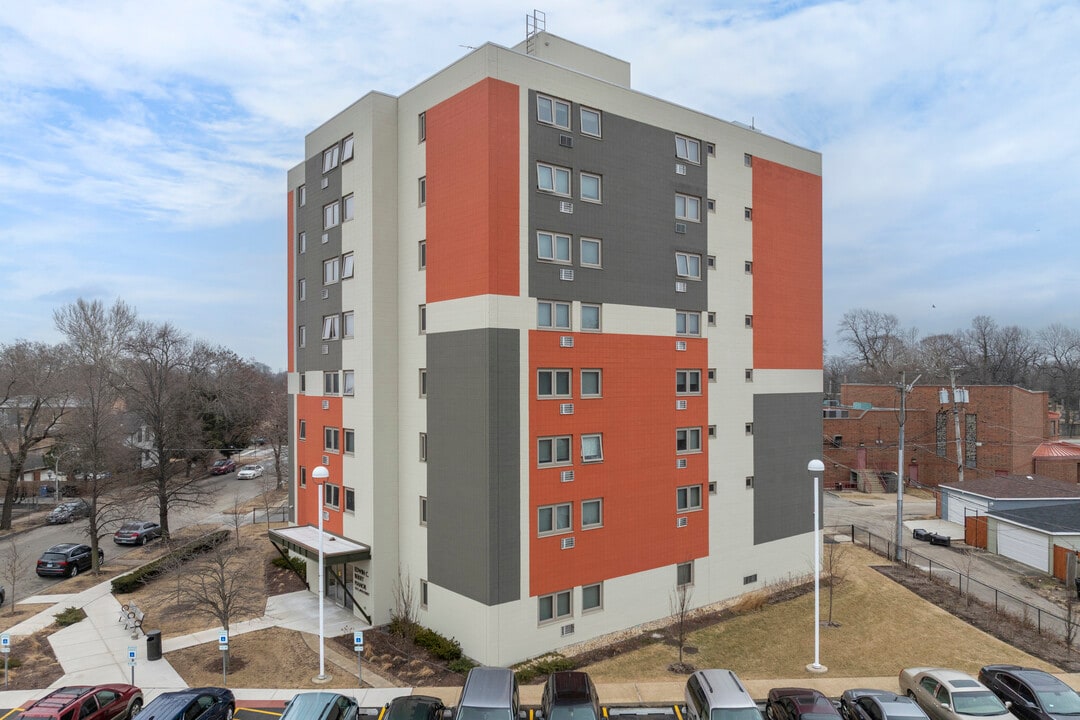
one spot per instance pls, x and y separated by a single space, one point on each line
304 540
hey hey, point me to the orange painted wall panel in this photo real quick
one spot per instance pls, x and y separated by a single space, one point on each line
472 193
309 454
290 252
637 479
787 267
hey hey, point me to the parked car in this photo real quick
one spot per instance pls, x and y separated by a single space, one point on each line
204 703
320 706
3 594
68 512
1029 693
115 701
65 490
138 532
222 467
951 695
866 704
718 695
414 707
67 560
101 475
799 704
490 693
570 695
250 472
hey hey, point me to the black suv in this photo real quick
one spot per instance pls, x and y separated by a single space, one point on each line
1031 694
570 695
68 512
67 560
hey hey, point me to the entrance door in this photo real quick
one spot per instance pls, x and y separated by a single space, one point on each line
335 593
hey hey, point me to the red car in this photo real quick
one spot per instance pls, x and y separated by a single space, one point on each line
222 467
114 701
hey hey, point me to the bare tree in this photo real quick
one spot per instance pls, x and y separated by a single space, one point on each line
877 342
219 587
33 400
994 355
1072 620
237 519
834 570
13 571
403 616
680 610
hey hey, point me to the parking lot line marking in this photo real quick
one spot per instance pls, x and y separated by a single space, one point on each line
254 710
8 713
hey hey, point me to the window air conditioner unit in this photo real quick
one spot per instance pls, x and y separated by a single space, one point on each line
680 228
680 286
680 464
680 169
566 141
326 237
566 476
566 273
325 294
325 404
682 521
712 488
567 543
325 183
567 629
566 341
325 349
566 207
566 408
325 459
680 404
680 344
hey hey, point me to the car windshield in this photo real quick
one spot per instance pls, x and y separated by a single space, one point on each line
572 712
735 714
983 703
1060 702
130 527
53 556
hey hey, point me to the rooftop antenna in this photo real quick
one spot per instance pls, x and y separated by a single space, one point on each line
534 25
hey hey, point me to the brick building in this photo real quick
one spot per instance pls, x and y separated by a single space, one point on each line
1001 426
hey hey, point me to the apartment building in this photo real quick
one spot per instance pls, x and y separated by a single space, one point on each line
557 344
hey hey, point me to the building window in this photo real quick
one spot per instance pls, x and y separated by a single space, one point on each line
711 319
687 149
349 205
350 441
552 519
301 195
332 215
421 127
424 594
423 319
332 496
592 448
302 431
687 207
553 112
422 253
423 447
348 382
303 382
347 149
684 574
301 289
553 179
303 476
970 446
590 187
331 439
553 247
710 205
592 514
687 323
330 158
590 122
331 382
592 597
350 500
348 322
553 315
301 243
553 450
553 383
589 253
423 382
554 607
423 510
331 327
749 579
590 383
688 498
422 191
590 317
748 213
688 440
331 271
941 431
687 382
688 265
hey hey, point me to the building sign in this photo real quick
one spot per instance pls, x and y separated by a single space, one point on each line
361 576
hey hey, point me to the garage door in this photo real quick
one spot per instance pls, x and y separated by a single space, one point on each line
1023 545
958 504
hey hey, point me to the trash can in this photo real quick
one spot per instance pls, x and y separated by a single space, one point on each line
153 645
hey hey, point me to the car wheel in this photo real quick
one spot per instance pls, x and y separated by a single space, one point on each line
134 708
911 694
229 713
74 570
142 540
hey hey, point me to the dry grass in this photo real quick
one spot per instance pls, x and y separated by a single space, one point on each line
883 627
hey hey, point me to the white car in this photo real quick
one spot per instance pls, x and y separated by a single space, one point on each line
250 472
951 695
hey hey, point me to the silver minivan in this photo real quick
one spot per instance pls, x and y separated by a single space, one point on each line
490 693
719 695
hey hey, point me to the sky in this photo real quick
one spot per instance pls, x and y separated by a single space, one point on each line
144 146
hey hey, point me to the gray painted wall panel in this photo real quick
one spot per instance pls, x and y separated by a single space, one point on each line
787 436
309 313
474 469
636 221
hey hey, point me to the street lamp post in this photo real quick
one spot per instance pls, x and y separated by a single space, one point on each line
816 468
320 474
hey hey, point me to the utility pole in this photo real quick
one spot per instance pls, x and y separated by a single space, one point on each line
905 388
956 401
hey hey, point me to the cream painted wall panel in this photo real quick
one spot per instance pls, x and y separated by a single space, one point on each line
768 382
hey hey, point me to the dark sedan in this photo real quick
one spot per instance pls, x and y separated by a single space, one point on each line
1031 694
320 706
570 695
863 704
139 532
799 704
67 560
222 467
414 707
205 703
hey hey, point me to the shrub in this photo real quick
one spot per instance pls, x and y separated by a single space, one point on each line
297 565
461 666
140 576
543 666
440 646
69 616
